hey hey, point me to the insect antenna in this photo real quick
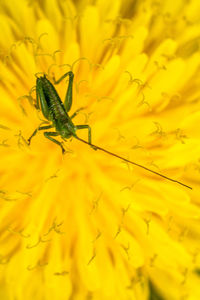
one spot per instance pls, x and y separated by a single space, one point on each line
133 163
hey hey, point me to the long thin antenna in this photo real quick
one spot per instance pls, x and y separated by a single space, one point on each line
133 163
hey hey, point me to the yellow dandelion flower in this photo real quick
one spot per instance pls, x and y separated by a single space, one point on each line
85 225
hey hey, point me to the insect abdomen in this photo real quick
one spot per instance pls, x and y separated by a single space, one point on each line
54 103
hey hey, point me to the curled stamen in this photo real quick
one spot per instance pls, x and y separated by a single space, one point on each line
34 245
134 80
40 37
53 176
183 234
30 100
25 193
137 145
92 258
104 97
78 83
49 69
126 249
99 98
152 260
40 240
66 65
55 227
21 140
33 89
4 127
54 54
159 66
63 273
79 59
120 136
4 144
74 18
142 102
95 203
147 221
180 136
125 210
185 275
119 20
39 264
116 41
4 196
97 236
159 131
41 73
118 232
43 54
98 66
127 188
20 232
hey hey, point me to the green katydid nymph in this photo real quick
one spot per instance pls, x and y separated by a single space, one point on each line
56 112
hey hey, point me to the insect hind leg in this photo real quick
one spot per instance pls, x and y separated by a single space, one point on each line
49 135
89 131
36 131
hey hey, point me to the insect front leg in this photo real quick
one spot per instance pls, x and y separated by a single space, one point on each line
36 131
49 135
68 97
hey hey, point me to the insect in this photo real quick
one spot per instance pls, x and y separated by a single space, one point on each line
56 112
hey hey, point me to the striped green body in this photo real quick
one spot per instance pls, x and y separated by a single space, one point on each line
53 109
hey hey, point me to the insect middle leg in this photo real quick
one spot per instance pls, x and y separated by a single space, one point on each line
36 131
89 131
49 135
